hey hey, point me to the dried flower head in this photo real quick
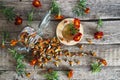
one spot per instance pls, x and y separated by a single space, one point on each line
13 42
98 35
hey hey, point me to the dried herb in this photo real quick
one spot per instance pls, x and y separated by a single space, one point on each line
80 8
5 36
52 75
20 67
30 17
73 30
99 23
8 13
55 9
99 34
96 67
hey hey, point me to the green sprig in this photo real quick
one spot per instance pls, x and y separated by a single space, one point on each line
99 24
80 7
73 30
55 9
8 13
52 75
30 17
96 67
5 36
20 67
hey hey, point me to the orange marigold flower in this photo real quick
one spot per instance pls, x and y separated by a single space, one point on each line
33 62
70 74
36 3
103 61
98 35
3 45
77 23
18 20
13 42
59 17
87 10
77 37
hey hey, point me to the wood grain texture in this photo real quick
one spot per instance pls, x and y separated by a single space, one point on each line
110 28
108 52
83 73
107 48
99 8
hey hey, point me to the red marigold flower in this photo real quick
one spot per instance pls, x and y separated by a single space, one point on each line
36 3
87 10
77 37
59 17
77 23
103 61
18 20
98 35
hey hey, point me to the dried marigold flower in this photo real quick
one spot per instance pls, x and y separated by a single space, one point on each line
77 23
89 40
18 20
28 74
59 60
71 63
61 38
103 61
80 54
77 62
56 64
70 74
13 42
94 54
98 35
87 10
33 62
65 60
36 3
81 47
23 35
50 70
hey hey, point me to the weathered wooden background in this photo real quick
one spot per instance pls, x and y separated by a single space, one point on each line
108 47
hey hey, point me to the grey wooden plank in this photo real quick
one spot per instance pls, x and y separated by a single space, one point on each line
110 28
82 73
108 52
99 8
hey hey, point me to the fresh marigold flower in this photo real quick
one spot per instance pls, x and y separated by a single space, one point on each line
36 3
77 37
33 62
18 20
59 17
13 42
87 10
70 74
98 35
77 23
103 61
